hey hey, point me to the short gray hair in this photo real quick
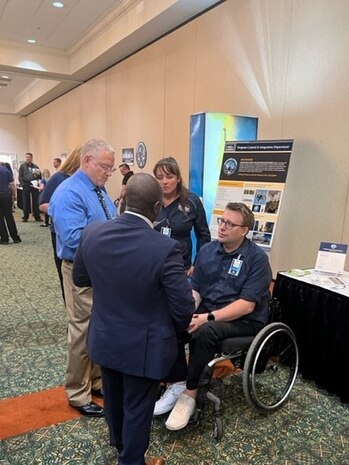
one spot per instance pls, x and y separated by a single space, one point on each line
95 146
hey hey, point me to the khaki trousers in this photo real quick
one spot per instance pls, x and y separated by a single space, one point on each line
82 374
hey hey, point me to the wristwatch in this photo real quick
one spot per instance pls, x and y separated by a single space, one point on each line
210 316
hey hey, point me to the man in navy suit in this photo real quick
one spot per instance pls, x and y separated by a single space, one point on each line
141 298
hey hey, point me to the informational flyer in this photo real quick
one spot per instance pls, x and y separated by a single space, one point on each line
331 257
254 173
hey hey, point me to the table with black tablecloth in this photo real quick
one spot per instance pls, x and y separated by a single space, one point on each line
319 317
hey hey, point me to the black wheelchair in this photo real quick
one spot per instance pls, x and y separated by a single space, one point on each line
269 364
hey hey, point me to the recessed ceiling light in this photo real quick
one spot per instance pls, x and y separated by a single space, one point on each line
58 4
31 41
5 77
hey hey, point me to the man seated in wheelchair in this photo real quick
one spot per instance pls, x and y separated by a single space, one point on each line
231 289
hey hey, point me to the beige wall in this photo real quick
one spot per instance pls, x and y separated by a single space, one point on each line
284 61
13 136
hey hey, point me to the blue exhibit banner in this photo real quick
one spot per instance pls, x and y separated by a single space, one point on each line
208 135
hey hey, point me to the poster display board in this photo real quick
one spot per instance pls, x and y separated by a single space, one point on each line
254 173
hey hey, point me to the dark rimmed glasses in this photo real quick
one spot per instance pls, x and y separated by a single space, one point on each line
228 224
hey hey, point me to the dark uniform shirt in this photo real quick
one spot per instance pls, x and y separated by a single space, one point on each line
5 179
55 180
127 177
218 288
26 173
181 223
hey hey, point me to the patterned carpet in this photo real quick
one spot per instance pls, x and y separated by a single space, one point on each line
311 429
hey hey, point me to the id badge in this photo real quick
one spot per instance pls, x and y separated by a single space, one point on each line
166 231
235 267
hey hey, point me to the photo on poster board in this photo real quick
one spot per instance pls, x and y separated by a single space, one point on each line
254 173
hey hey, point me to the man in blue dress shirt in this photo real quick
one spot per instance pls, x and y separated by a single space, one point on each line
76 202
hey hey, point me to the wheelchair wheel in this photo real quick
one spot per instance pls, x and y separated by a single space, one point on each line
218 429
270 368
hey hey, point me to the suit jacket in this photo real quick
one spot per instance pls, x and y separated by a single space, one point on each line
141 295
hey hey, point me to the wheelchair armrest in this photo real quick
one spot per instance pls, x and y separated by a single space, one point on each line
235 344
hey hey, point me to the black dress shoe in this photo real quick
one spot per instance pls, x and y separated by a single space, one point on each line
98 393
17 240
90 410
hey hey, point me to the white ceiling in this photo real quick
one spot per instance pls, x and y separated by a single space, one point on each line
75 42
52 27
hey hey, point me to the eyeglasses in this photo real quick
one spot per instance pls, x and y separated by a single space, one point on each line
228 224
107 169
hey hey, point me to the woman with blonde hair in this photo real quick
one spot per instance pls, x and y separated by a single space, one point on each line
67 168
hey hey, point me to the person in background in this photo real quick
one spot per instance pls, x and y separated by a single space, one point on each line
28 175
57 163
182 212
42 183
125 170
231 289
7 194
69 166
132 334
76 202
9 167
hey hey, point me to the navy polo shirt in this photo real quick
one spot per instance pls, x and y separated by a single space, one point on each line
5 179
218 288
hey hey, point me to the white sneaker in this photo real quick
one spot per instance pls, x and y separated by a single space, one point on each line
169 398
181 413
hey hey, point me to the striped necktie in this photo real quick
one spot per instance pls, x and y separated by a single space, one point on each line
102 202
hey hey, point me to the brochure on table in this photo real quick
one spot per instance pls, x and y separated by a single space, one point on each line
329 269
331 258
254 173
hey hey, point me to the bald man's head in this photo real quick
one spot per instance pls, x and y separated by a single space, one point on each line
143 195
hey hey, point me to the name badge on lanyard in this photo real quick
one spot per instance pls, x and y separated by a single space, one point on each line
235 266
166 231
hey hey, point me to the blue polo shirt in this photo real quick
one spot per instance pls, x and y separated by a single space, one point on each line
5 179
73 205
45 196
218 288
55 180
